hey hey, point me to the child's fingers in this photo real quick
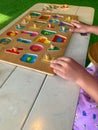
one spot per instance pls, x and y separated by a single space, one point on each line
57 67
65 60
59 73
76 24
60 62
77 30
75 21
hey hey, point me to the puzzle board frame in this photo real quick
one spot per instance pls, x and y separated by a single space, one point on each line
16 41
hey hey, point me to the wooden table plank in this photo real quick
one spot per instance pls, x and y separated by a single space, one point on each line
87 14
17 96
51 110
5 72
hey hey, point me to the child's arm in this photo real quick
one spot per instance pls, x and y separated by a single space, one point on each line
69 69
84 28
93 29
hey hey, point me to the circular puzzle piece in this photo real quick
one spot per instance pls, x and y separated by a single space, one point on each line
12 33
5 40
36 47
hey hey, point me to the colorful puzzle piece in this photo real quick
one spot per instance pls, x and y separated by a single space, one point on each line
54 48
52 7
24 40
34 26
36 47
40 22
34 34
54 21
5 41
48 32
58 16
29 58
35 14
20 27
63 29
12 33
47 58
28 17
62 24
14 50
50 26
24 21
43 39
59 38
45 17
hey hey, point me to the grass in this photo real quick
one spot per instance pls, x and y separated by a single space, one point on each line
11 9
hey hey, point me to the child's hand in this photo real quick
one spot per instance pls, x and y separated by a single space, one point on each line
68 69
80 27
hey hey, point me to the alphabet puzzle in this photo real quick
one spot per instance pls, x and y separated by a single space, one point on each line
36 39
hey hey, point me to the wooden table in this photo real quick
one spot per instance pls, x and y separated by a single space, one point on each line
34 101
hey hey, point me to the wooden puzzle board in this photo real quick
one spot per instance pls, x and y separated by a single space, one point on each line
35 39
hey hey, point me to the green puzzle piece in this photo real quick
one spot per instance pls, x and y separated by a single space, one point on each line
48 32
